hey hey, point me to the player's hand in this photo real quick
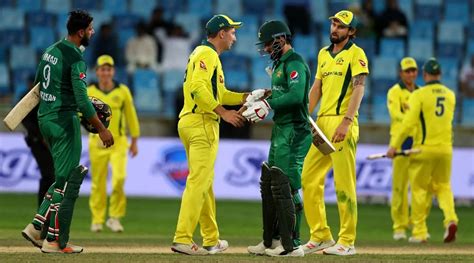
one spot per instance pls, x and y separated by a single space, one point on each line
391 152
133 149
233 117
106 137
256 111
255 95
341 131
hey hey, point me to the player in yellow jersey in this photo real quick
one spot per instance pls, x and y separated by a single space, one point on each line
339 85
431 109
119 98
198 127
397 104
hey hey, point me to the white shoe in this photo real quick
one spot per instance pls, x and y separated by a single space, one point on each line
259 249
32 235
218 248
189 249
397 236
313 246
450 233
96 228
417 240
114 225
280 252
340 250
53 247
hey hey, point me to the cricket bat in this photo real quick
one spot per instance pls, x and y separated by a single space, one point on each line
319 139
399 153
22 108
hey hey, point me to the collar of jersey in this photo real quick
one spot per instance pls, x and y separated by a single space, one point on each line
346 47
209 44
69 43
433 82
287 54
403 86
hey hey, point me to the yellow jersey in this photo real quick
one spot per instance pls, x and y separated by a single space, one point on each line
336 72
431 108
120 101
204 87
397 104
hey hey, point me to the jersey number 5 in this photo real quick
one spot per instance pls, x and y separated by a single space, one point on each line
440 106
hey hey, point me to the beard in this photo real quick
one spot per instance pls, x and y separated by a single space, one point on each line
337 40
85 41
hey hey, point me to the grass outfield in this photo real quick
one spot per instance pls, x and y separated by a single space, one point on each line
150 224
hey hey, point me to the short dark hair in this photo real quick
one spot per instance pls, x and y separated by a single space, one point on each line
77 20
213 35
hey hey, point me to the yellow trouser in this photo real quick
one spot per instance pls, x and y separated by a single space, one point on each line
200 136
315 167
100 158
399 205
430 173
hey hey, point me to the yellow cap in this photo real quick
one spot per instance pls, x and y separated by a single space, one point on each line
408 63
346 17
105 60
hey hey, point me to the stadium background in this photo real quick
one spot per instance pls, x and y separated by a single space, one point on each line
436 28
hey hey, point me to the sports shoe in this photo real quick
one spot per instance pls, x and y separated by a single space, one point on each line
259 249
340 250
416 240
188 249
53 247
114 225
280 252
314 246
96 228
32 235
218 248
450 233
397 236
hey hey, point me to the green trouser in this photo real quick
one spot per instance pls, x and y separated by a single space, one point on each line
289 145
63 136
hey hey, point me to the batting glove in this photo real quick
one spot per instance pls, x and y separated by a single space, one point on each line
256 111
255 95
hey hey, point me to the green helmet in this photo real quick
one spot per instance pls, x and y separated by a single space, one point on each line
272 29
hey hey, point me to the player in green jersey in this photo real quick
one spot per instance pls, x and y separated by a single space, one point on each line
291 138
62 77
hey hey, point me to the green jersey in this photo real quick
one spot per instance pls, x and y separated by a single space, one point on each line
290 88
62 77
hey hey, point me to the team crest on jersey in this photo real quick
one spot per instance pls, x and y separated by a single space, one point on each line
362 63
339 61
294 75
278 73
221 79
202 65
82 75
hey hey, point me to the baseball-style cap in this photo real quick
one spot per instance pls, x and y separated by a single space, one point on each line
346 17
105 60
219 22
432 67
408 63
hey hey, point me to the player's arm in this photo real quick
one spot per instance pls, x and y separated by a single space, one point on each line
78 71
394 106
315 94
204 68
233 98
410 120
296 79
132 121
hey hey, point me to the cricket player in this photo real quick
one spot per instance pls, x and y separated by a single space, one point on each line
431 109
339 85
198 127
397 104
280 181
120 100
62 74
